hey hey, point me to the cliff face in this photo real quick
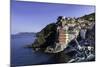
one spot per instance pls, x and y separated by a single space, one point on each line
47 38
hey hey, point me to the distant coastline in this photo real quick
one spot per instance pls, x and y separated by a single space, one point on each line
24 33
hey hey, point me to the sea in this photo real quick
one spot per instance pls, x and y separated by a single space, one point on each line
21 56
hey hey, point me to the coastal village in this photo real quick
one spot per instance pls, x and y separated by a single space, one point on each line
68 35
68 29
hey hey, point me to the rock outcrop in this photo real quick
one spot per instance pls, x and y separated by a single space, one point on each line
55 37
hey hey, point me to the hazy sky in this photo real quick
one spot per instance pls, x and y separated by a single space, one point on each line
33 16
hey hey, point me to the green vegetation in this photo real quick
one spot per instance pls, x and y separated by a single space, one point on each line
89 17
46 36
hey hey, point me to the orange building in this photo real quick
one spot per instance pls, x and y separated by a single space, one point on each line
62 35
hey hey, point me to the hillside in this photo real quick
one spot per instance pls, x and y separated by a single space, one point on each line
47 35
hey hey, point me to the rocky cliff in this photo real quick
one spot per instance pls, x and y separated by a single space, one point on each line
48 35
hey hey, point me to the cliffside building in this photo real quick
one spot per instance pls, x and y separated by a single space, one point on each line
62 34
66 31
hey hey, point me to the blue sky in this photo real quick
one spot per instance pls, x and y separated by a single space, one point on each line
33 16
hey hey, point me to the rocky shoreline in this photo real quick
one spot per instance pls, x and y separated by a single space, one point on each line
81 48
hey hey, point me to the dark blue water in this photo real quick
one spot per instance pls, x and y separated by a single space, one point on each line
21 56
